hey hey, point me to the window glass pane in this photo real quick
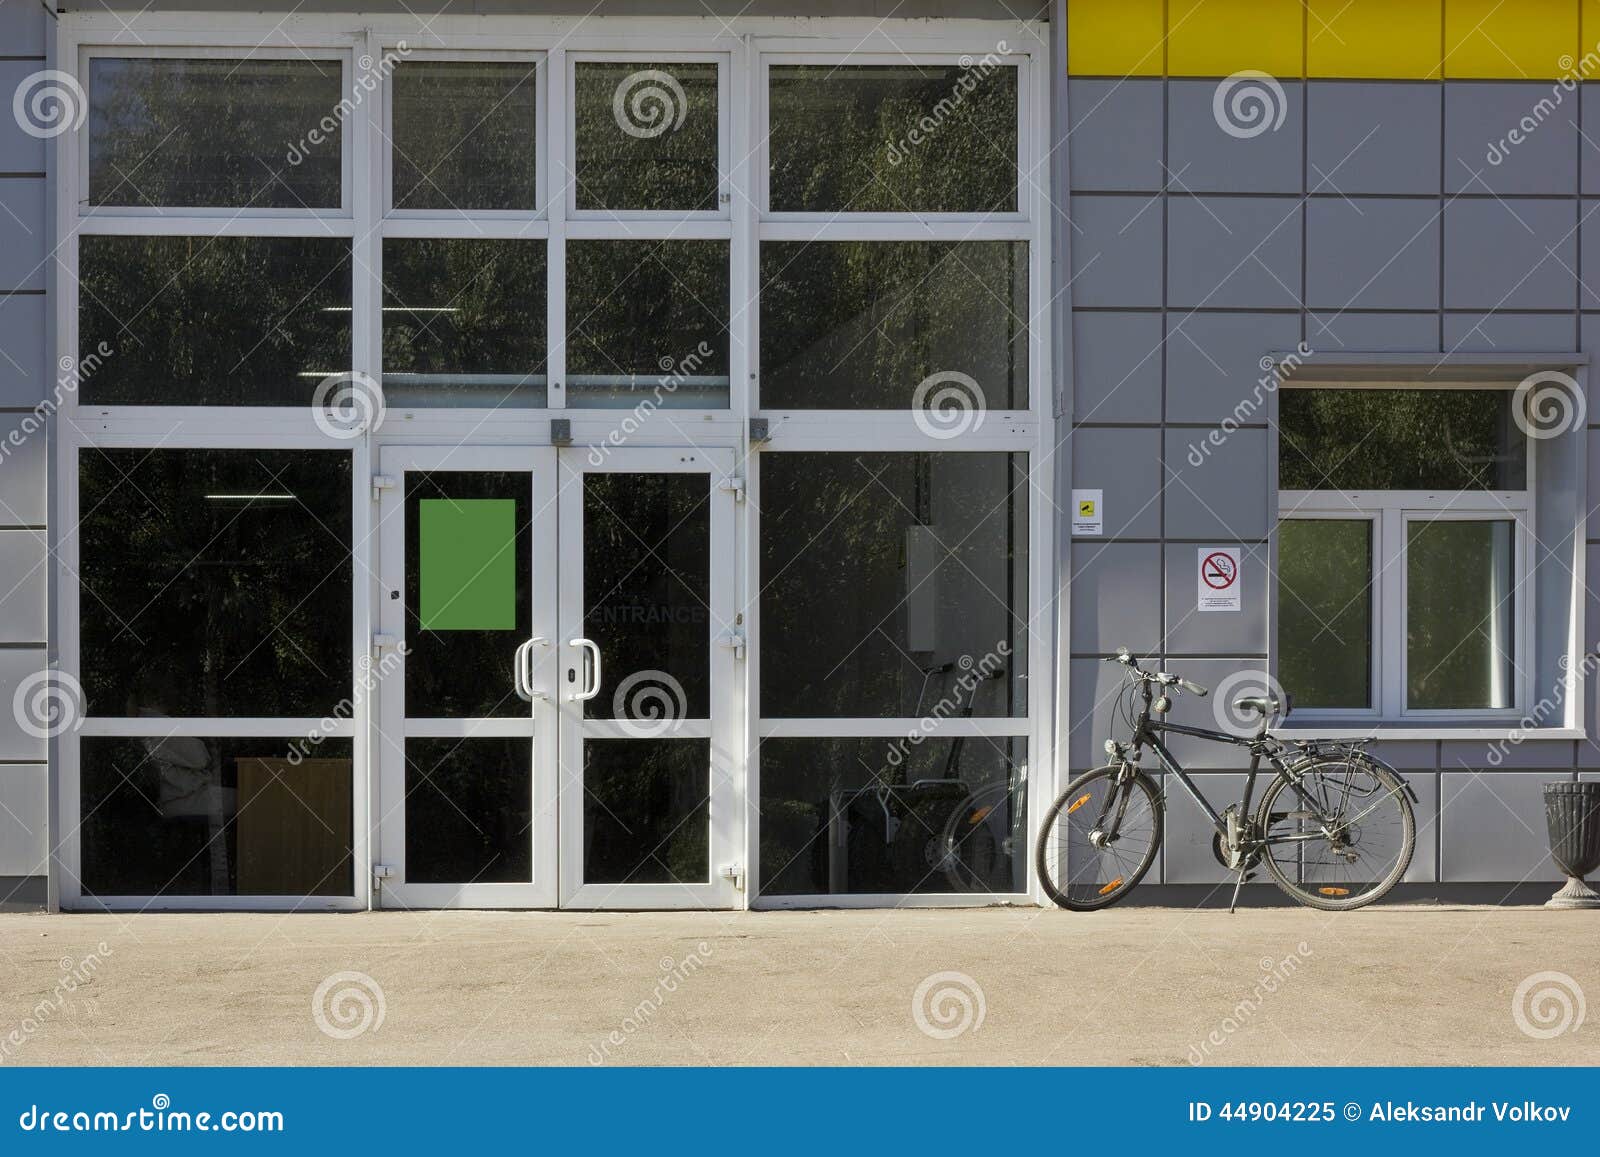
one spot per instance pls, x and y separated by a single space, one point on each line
897 138
1373 439
1325 611
893 815
469 811
647 323
646 135
1460 614
215 582
862 325
212 321
185 816
647 811
464 322
894 585
464 134
262 134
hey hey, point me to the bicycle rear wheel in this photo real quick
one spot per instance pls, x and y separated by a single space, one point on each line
1346 841
1099 838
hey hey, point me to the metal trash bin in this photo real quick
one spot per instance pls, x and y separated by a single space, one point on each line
1572 813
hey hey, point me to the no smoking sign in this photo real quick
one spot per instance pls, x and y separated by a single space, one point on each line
1218 587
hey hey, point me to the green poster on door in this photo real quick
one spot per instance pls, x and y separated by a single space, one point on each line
468 575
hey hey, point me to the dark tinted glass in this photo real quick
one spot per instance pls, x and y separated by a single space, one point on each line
469 811
1325 611
647 135
464 322
212 321
1460 614
262 134
894 138
647 592
1374 439
647 320
187 816
860 325
451 672
215 582
894 585
464 134
893 815
647 811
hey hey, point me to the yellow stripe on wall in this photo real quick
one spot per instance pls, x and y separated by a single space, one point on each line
1387 39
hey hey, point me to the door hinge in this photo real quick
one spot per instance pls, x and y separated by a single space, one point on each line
380 643
734 872
380 873
734 483
734 641
380 483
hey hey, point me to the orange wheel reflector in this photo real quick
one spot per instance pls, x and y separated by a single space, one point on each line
1334 891
1112 887
980 815
1078 803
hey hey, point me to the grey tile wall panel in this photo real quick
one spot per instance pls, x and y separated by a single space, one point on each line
22 476
1234 252
1510 254
1392 332
1476 755
23 357
1191 631
1555 332
1589 142
1479 157
20 667
1116 367
1094 690
22 233
1116 250
1372 253
1227 496
1214 363
1407 754
1116 596
24 581
1187 845
24 831
1126 464
1424 867
1589 246
1203 158
20 151
1492 827
1115 137
22 27
1203 712
1373 138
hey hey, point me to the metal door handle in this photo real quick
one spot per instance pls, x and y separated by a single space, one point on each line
519 672
593 688
527 666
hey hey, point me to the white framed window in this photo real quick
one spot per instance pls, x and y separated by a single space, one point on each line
1404 554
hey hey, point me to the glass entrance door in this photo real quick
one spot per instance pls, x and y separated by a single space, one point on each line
650 640
466 659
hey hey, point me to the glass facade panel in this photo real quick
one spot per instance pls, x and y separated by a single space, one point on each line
1460 614
647 136
465 135
1325 596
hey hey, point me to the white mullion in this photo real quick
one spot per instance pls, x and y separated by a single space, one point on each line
239 727
556 148
928 727
197 223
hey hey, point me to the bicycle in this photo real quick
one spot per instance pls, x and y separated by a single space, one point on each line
1333 799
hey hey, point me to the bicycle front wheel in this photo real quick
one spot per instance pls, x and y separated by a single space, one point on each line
1342 839
1099 838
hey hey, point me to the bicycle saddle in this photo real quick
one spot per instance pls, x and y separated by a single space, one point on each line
1260 704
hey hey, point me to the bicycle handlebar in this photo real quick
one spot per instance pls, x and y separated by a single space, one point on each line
1164 678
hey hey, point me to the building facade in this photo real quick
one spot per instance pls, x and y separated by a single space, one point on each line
676 455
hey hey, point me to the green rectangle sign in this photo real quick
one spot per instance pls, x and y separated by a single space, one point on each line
468 576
